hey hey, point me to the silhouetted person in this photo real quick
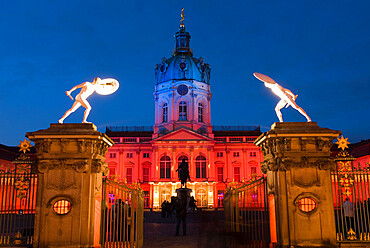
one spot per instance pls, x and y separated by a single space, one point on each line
163 209
119 220
183 170
192 204
181 207
348 213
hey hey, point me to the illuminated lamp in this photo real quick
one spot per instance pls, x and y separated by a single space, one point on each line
62 207
307 204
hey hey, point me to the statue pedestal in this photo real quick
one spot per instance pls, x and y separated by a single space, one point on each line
184 191
71 161
297 162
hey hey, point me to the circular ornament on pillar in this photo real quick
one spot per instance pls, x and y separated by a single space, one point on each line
182 89
62 207
307 204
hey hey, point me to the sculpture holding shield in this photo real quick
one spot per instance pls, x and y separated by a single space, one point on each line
287 97
101 86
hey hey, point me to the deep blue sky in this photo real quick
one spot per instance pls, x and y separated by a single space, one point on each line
318 49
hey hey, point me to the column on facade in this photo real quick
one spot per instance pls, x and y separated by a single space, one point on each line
157 107
173 164
192 110
192 165
244 164
138 154
209 165
155 165
228 175
172 108
120 165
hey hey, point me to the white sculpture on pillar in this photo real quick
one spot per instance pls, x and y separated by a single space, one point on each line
101 86
287 97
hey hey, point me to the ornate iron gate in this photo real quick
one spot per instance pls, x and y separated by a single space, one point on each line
247 214
122 215
351 195
17 203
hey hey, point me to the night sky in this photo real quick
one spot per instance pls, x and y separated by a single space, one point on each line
317 49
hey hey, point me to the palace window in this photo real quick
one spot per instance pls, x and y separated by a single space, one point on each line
129 155
235 154
112 171
165 167
165 113
253 170
200 112
201 198
200 165
252 154
145 174
112 155
220 154
237 174
129 175
220 174
182 111
146 155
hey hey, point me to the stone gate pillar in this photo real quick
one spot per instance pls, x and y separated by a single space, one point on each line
71 161
297 162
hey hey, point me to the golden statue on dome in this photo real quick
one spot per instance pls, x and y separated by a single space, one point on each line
101 86
182 18
287 97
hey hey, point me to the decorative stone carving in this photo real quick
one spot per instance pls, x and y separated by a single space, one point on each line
303 143
42 167
81 166
65 152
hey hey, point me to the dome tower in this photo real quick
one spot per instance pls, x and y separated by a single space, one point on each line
182 90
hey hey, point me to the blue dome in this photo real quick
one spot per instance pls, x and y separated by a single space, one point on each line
182 65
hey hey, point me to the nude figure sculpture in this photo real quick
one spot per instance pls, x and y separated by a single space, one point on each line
287 97
103 87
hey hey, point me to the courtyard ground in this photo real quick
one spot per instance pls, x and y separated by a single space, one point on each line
204 229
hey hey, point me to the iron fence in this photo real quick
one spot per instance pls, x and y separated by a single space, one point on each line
247 214
17 206
122 215
351 195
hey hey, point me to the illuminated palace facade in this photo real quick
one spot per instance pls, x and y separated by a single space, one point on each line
183 130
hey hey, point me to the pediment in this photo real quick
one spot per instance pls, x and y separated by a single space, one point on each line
219 163
236 163
183 135
146 163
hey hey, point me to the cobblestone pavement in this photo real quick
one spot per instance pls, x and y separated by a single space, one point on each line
204 229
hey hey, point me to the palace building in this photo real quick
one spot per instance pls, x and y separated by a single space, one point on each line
217 155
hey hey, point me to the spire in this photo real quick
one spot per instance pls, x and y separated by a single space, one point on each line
182 37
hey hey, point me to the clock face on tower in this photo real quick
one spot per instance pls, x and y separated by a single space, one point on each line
182 89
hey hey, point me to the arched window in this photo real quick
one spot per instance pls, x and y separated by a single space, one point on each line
200 164
182 111
200 112
165 167
201 198
164 113
165 195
